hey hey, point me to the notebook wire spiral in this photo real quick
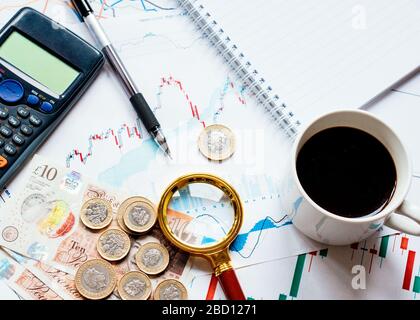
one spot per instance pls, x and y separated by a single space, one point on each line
242 69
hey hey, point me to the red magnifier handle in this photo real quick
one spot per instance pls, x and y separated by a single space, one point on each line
230 285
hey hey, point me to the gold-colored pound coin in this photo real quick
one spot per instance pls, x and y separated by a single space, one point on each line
217 142
113 244
96 213
152 258
139 214
170 289
135 285
95 279
121 224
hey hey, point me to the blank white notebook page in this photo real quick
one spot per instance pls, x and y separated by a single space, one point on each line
321 55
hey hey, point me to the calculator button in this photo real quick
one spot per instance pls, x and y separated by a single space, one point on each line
23 112
5 131
34 120
1 143
26 130
3 162
32 100
11 91
18 140
4 113
47 107
10 149
14 122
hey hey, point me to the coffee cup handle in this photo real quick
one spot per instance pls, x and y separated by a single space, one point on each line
405 219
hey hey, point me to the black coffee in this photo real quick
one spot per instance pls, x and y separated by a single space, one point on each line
347 172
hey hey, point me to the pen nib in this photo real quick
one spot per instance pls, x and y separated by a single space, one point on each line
168 152
160 140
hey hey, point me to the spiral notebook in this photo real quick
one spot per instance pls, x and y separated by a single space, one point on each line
302 58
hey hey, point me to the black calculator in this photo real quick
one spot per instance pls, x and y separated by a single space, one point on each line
44 70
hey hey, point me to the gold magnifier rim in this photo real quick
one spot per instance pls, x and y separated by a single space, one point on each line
200 178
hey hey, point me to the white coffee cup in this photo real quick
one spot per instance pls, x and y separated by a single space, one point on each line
326 227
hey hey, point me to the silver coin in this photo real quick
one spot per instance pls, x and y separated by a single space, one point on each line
113 244
170 289
95 279
135 285
152 258
217 142
139 214
96 213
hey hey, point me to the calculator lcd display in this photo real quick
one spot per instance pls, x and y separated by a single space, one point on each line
37 63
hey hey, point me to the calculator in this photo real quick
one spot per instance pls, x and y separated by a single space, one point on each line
44 70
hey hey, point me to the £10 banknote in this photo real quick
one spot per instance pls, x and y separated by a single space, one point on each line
42 222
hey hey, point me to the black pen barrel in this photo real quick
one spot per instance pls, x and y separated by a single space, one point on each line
83 7
144 112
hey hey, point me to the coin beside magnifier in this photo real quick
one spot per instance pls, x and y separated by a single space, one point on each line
170 289
135 285
113 244
96 213
152 258
139 214
217 142
95 279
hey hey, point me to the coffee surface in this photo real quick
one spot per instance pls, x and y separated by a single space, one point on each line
347 171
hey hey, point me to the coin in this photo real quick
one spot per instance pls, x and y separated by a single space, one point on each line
170 289
135 285
95 279
139 214
113 244
96 213
121 224
152 258
217 142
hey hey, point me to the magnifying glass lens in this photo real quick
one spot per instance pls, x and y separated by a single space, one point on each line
200 215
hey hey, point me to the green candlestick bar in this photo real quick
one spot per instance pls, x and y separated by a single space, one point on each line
323 253
384 246
297 275
416 285
282 296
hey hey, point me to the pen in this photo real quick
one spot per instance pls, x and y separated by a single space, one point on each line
136 97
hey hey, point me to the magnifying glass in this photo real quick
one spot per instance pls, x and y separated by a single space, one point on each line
202 214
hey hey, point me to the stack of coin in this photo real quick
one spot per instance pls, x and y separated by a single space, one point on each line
96 279
136 215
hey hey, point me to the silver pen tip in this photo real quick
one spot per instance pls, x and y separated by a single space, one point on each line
161 141
165 149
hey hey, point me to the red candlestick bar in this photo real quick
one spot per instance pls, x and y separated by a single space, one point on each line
409 270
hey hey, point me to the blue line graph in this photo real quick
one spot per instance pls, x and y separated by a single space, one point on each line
150 7
207 240
268 223
132 44
241 240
